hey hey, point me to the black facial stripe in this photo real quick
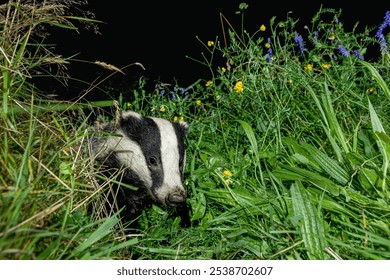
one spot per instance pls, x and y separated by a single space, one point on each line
145 132
180 131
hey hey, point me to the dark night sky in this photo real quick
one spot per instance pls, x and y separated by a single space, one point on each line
159 34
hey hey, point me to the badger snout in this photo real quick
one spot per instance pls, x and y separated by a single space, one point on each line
176 198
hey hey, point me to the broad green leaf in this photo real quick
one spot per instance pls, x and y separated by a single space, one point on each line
311 225
198 205
329 165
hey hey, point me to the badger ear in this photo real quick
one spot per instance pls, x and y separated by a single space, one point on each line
183 127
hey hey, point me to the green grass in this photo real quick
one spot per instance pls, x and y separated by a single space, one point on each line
287 153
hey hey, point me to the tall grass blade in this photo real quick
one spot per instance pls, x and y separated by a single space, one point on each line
383 142
334 126
378 78
103 230
253 142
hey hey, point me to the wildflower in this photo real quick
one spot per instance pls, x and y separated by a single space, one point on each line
182 91
176 118
309 67
172 95
299 40
379 33
343 51
332 37
270 57
269 51
209 83
162 108
238 87
223 69
372 90
325 65
227 173
198 102
162 92
262 27
210 43
227 180
315 34
358 55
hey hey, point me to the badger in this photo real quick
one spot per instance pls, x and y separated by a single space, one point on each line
147 153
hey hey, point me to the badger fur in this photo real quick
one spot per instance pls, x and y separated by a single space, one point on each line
144 152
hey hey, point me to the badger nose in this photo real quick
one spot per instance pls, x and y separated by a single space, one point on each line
176 198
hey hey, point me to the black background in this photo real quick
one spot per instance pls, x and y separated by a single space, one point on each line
160 34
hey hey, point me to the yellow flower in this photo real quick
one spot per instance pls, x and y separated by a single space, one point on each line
198 102
267 45
223 69
238 87
227 173
176 118
162 108
262 27
332 37
325 65
209 83
210 43
372 90
309 67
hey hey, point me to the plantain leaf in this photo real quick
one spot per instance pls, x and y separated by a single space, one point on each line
311 226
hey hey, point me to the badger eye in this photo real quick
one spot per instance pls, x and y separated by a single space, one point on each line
153 161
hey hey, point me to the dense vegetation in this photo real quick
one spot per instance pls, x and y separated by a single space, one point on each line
287 154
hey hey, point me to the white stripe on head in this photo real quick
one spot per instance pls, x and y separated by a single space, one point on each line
170 160
130 155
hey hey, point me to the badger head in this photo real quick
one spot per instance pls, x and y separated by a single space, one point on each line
151 153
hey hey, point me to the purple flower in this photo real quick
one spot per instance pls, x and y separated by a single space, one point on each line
358 55
184 92
315 33
269 57
299 40
162 92
269 51
343 51
379 33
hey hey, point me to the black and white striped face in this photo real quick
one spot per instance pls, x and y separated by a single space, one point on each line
152 153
